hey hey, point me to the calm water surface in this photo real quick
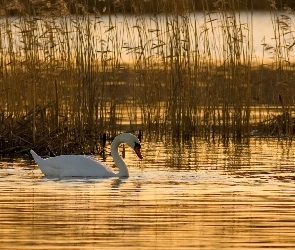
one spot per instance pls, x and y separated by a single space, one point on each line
194 195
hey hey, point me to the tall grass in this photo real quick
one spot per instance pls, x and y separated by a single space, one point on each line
175 71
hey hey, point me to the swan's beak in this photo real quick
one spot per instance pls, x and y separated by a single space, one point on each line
137 151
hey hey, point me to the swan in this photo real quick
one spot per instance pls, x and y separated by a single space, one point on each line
86 166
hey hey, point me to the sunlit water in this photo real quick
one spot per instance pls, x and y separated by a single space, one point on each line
192 195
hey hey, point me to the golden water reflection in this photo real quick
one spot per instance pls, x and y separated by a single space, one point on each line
204 202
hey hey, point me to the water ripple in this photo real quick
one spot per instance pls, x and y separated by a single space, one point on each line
197 198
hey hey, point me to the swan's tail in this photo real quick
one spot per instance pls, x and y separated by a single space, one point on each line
36 157
45 168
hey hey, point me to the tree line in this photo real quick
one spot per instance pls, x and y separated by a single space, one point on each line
136 6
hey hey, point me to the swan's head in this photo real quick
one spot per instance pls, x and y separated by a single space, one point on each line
133 142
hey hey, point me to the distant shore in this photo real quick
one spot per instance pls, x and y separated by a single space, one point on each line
139 7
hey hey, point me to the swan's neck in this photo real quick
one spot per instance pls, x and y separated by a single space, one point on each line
123 170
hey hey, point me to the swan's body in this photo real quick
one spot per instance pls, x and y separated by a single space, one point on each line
86 166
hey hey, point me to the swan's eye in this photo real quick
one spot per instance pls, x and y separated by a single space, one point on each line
137 145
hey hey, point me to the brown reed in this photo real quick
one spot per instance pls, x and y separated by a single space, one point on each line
167 72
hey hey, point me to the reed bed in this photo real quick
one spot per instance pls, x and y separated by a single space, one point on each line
69 78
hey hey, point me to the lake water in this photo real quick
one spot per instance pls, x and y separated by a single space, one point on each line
190 195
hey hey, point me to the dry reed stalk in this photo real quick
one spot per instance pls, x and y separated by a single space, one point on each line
281 54
185 76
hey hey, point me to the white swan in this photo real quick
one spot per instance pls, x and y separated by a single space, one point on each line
86 166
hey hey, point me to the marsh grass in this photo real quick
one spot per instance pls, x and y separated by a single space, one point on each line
167 72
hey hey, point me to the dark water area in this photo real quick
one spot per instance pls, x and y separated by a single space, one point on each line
190 195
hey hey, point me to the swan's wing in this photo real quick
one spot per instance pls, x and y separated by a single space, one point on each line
78 165
63 161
